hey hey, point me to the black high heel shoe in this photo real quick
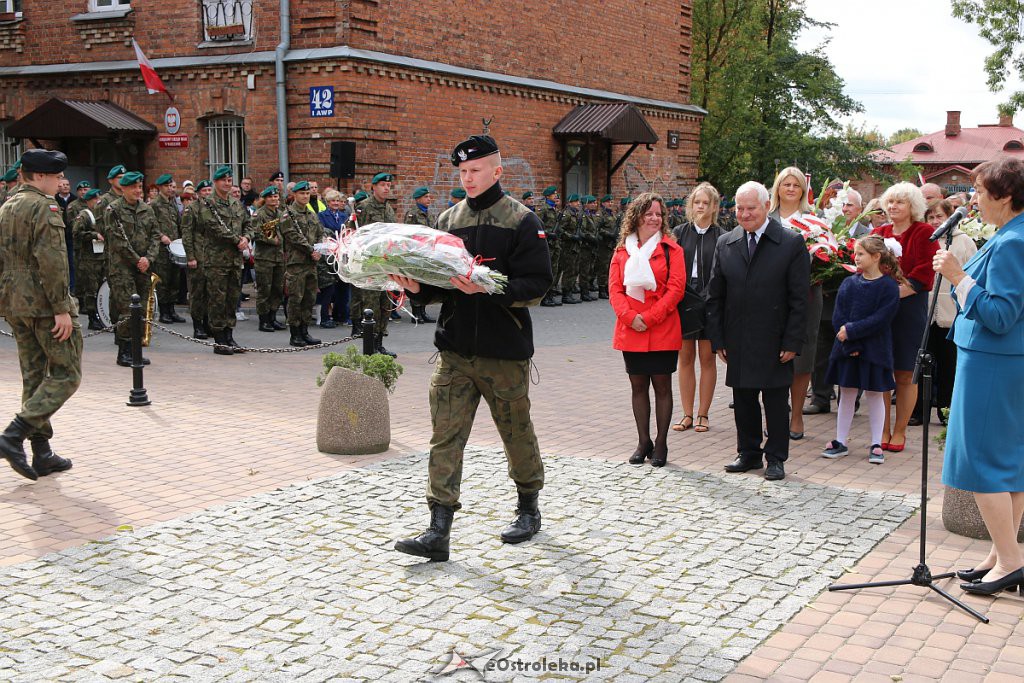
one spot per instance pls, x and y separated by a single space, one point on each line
641 454
1011 580
971 575
660 457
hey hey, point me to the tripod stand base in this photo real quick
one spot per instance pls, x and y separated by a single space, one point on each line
922 577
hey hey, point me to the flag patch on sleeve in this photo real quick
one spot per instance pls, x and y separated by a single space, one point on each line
541 235
54 208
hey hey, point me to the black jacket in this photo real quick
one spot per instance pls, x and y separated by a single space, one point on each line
698 246
758 308
511 239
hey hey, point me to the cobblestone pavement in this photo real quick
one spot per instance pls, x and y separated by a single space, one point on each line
656 574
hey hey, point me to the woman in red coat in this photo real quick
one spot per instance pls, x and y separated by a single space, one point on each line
645 283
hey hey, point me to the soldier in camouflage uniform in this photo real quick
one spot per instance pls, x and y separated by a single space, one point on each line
374 209
571 238
169 221
266 226
588 249
228 231
90 257
457 195
485 343
132 240
193 238
301 230
420 215
76 205
529 202
114 192
554 221
36 300
8 184
608 234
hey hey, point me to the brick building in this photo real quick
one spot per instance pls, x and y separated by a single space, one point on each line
403 81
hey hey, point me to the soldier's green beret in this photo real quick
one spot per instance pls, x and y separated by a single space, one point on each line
91 194
359 196
607 198
550 190
116 171
164 179
11 175
624 201
589 199
382 178
301 186
459 193
130 178
573 198
269 191
17 165
420 192
222 172
527 195
84 183
202 184
476 147
43 161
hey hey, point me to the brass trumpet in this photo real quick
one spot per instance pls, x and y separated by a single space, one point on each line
269 229
147 330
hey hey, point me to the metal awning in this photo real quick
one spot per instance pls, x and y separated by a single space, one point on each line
619 123
56 119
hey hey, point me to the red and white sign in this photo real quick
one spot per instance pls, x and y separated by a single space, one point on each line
172 141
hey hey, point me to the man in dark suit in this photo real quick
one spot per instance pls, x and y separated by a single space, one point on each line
757 301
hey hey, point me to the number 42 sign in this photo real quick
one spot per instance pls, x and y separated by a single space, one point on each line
321 101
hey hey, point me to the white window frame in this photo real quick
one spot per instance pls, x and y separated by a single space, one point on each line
108 5
218 14
11 7
10 150
227 143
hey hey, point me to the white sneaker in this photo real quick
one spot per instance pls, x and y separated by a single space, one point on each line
240 316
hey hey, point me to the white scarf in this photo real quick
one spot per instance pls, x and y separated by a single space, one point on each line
637 274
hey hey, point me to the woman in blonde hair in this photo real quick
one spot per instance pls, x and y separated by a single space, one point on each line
645 284
789 203
697 236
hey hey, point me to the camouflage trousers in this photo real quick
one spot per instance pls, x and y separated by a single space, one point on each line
223 287
604 264
456 386
588 267
170 278
300 279
569 263
269 286
198 301
555 251
50 370
376 301
123 283
89 274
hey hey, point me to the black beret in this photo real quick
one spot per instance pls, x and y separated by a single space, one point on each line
277 175
476 147
43 161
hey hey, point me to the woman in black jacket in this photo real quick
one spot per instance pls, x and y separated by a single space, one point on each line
697 236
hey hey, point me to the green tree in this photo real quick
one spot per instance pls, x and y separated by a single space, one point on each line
903 135
1000 22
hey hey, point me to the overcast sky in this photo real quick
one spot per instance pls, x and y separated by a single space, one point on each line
908 62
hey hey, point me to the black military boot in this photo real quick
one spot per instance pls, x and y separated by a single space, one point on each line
222 347
527 521
602 293
124 353
419 315
378 346
12 448
304 331
548 300
94 321
296 339
199 330
357 328
44 460
165 316
432 543
277 324
265 324
571 298
588 296
235 346
175 318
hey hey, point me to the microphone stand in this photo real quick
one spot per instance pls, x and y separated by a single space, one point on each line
923 373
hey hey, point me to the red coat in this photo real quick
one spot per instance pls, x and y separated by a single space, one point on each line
916 262
658 307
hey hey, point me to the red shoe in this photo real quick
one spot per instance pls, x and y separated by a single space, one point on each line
893 448
885 445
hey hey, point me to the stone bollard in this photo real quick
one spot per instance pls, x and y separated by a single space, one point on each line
354 417
960 515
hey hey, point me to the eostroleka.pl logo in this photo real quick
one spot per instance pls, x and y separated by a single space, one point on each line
491 661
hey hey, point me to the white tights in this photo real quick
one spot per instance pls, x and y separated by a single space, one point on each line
876 413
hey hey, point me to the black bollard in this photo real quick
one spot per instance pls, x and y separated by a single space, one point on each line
137 396
369 348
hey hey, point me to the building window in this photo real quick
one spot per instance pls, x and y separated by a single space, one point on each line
10 150
107 5
10 7
227 20
227 144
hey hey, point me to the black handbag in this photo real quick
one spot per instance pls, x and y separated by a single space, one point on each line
693 308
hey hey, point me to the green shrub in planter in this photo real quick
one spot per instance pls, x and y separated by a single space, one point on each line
379 366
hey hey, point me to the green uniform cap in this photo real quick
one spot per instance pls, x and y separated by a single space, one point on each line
116 171
420 192
607 198
130 178
527 195
589 198
573 198
300 186
459 193
359 196
90 194
11 175
164 179
269 191
222 172
84 183
550 190
382 178
202 184
624 201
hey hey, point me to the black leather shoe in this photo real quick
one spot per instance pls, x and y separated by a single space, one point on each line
914 421
641 454
971 575
94 322
175 318
433 543
815 409
199 331
795 436
13 450
265 324
741 464
44 460
328 324
775 471
527 520
587 296
278 325
548 302
165 317
1008 582
660 457
296 339
379 347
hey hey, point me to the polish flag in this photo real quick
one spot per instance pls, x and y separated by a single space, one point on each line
149 75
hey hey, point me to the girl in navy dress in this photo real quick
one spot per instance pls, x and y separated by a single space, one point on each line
862 357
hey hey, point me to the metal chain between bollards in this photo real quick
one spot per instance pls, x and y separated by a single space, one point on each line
295 349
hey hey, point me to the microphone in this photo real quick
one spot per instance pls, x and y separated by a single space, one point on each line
950 223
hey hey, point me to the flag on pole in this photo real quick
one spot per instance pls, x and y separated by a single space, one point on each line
921 178
149 75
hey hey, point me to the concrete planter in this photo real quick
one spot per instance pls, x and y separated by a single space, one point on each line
354 417
960 515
